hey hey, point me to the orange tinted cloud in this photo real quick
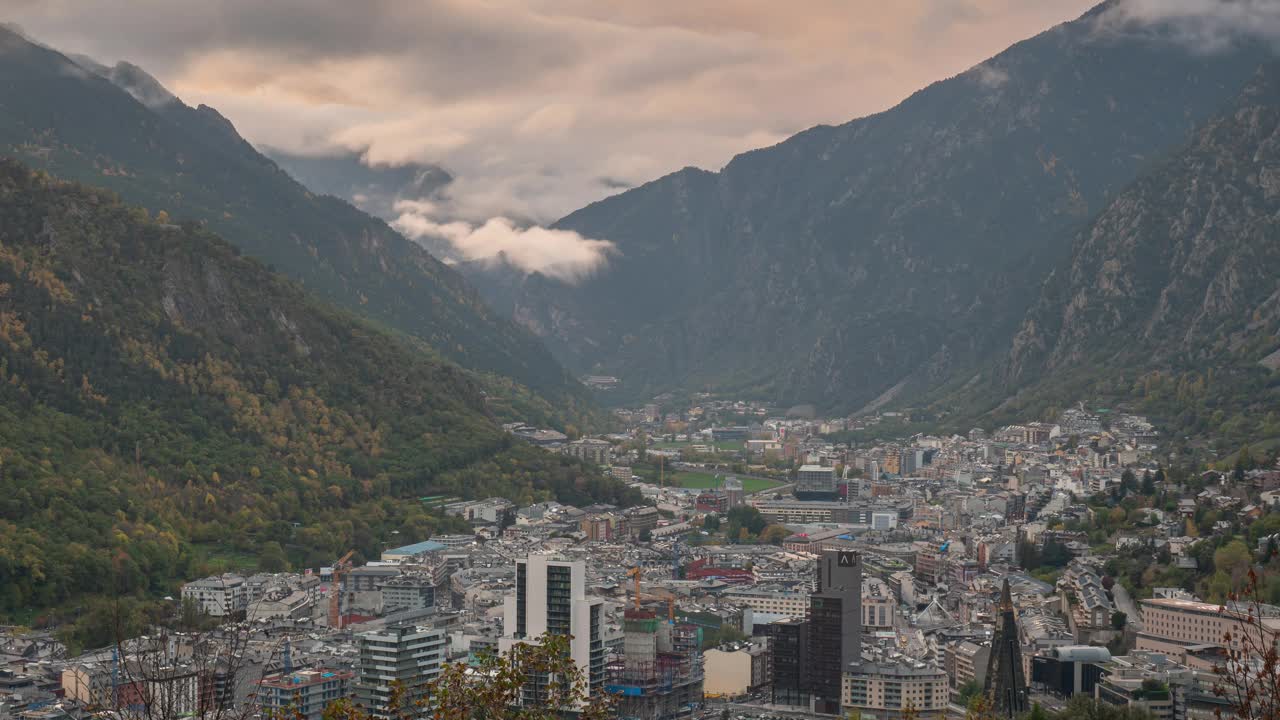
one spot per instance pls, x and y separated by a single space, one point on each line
539 107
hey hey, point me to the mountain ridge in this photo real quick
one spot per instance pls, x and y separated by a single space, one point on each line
192 163
894 248
1167 300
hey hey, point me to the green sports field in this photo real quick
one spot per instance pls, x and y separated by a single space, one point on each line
700 480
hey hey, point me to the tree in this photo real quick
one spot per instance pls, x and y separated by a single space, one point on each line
156 672
491 689
1250 679
774 534
711 523
1128 481
1148 484
646 535
1055 553
745 517
272 558
968 690
1118 620
1244 463
1233 559
720 636
1028 555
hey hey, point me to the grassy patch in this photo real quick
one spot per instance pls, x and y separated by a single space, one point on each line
227 559
705 480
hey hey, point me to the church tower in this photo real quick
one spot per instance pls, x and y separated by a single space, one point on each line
1006 685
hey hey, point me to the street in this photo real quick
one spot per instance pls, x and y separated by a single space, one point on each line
1126 605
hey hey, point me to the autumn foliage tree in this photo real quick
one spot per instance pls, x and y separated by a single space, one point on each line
1249 680
494 689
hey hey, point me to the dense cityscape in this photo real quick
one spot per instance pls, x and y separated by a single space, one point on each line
658 360
768 572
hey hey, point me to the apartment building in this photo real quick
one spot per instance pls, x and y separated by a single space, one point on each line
219 595
404 656
303 694
879 606
764 599
891 689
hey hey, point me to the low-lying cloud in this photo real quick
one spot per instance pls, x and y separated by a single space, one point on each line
1201 25
989 76
561 254
538 108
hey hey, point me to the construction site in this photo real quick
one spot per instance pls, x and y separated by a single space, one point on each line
659 674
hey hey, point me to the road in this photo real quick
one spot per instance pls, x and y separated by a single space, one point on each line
1126 605
714 711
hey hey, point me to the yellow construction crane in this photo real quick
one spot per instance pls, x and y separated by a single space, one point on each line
636 595
340 569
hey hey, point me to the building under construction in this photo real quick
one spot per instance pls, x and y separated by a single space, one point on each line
659 675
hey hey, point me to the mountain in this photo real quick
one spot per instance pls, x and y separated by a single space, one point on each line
847 263
164 399
374 189
1170 297
119 128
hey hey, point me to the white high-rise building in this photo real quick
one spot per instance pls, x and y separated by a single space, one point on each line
550 599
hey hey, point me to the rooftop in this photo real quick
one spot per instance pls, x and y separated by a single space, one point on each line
303 678
416 548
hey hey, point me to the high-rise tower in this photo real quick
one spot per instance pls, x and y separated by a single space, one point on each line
835 626
550 599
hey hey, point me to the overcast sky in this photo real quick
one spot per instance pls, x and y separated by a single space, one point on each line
539 106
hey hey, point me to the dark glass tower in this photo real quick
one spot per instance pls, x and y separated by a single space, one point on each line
1006 686
835 627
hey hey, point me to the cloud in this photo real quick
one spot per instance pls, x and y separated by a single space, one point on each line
989 76
561 254
1201 25
532 104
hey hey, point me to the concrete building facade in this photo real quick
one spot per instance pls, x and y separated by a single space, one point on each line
736 671
408 655
891 690
550 599
219 595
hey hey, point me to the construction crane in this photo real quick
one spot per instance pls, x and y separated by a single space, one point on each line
636 595
340 569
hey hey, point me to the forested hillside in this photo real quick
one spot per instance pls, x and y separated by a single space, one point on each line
118 128
1169 301
166 401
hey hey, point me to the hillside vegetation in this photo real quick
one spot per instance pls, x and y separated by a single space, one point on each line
165 400
1169 301
118 128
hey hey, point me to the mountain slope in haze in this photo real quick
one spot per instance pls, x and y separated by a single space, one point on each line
900 247
373 189
162 395
122 130
1171 297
